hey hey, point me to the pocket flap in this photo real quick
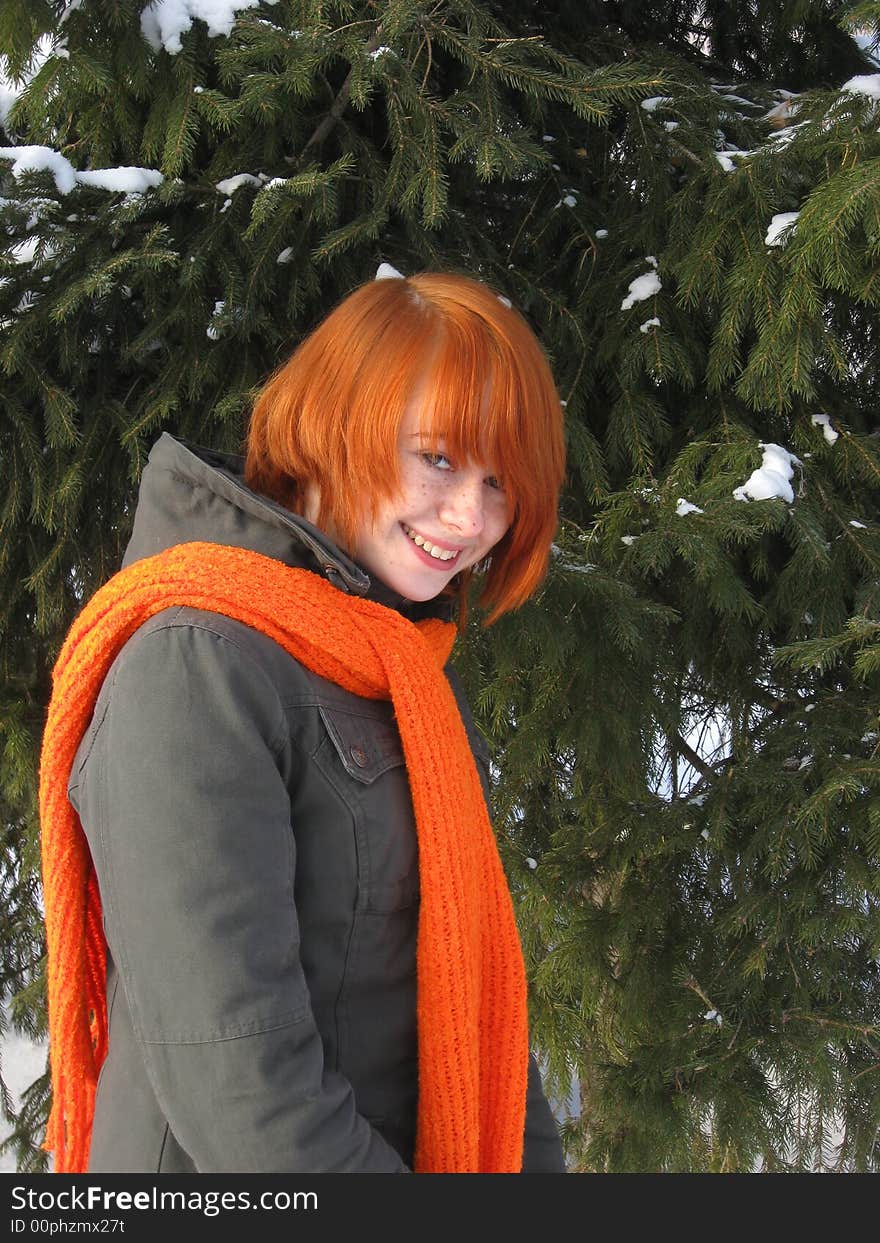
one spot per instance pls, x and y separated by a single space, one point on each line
366 745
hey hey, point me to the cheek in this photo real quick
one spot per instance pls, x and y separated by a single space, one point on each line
493 533
501 523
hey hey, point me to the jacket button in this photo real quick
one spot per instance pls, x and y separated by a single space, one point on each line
359 755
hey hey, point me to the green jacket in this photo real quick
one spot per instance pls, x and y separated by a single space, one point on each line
253 836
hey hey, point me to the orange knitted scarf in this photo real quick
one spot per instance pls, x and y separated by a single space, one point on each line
471 1009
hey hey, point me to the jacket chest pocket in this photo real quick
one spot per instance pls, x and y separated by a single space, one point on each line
364 762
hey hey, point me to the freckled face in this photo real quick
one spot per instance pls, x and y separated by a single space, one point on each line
446 517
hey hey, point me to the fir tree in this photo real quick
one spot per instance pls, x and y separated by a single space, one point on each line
687 720
686 206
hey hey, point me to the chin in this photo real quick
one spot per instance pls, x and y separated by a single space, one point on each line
415 591
417 596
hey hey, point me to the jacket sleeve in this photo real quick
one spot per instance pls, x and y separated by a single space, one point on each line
542 1149
196 864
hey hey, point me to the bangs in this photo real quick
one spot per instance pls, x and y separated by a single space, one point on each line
475 403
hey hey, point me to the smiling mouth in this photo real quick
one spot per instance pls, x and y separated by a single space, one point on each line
444 555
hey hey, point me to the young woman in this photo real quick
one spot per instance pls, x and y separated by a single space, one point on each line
280 939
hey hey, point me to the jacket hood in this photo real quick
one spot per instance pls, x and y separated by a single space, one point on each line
188 492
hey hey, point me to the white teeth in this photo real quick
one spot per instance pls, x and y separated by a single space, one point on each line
439 554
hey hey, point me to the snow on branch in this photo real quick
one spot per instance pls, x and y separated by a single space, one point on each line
772 478
823 421
163 22
643 287
35 159
230 184
867 84
780 228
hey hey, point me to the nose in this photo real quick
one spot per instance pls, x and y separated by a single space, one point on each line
461 509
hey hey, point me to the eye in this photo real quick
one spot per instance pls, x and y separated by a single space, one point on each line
492 481
438 460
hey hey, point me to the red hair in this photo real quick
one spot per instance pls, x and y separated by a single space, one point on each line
330 415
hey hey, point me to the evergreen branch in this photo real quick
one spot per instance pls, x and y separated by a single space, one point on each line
157 410
103 279
288 193
617 82
869 462
847 532
182 133
867 1070
688 154
328 122
861 16
863 1029
694 759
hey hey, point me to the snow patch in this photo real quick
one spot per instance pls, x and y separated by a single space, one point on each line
772 478
649 324
740 99
385 272
781 223
867 84
823 421
685 507
163 22
71 8
785 136
41 159
212 331
31 159
655 102
230 184
642 288
128 180
25 251
780 113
